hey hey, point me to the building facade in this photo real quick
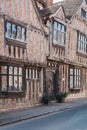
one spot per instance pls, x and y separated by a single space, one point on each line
67 63
43 48
22 54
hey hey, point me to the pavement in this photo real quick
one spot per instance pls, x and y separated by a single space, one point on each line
37 111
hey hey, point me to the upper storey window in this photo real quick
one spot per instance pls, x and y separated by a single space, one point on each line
59 33
82 43
84 13
15 31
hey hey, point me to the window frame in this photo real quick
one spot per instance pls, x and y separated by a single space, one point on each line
60 30
8 80
76 78
81 43
24 40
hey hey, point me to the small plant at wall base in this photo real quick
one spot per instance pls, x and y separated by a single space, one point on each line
45 99
48 98
60 97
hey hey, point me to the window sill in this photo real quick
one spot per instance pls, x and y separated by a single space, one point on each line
81 53
58 45
15 42
74 88
12 92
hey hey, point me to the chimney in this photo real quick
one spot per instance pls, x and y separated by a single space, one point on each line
49 2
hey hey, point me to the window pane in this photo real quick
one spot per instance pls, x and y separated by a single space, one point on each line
4 83
13 31
59 36
79 36
75 82
55 37
10 70
23 34
55 25
71 71
19 32
75 71
20 83
15 83
79 72
59 26
11 88
20 71
15 70
8 29
79 82
4 69
62 29
71 82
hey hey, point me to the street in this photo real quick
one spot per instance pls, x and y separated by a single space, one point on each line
73 119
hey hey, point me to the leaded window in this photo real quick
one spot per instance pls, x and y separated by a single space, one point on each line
59 31
82 43
11 78
74 78
15 31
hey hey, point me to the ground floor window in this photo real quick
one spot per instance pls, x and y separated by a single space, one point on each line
74 78
11 78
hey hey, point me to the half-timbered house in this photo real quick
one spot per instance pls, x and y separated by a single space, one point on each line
66 69
22 53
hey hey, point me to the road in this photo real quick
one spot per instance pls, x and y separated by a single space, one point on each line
73 119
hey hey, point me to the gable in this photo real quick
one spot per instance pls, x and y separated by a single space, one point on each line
21 10
60 14
83 6
37 21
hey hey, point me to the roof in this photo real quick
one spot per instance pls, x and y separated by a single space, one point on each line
49 11
43 2
70 8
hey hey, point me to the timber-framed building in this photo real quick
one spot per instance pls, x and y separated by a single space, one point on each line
43 48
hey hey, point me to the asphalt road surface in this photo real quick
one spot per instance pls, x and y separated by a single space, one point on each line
74 119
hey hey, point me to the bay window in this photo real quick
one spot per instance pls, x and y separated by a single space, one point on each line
82 43
59 31
15 31
74 78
